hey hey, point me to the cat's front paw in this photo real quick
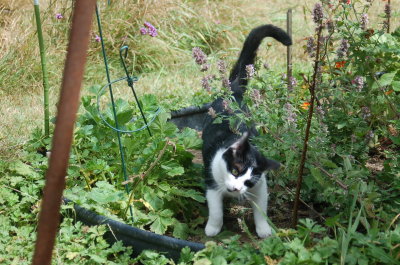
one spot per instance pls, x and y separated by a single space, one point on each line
212 230
263 230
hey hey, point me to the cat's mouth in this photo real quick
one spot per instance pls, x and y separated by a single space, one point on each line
235 190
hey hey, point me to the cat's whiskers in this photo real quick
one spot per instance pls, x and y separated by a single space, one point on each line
250 195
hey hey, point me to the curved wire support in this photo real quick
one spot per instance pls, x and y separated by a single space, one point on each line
147 124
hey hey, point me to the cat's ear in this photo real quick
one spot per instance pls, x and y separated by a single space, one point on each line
242 145
268 164
272 164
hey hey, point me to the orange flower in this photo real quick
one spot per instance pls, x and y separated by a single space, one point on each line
340 64
305 105
389 92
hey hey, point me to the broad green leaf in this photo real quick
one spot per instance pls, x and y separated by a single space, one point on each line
154 200
162 222
173 169
203 261
180 230
189 193
384 80
316 173
347 163
24 170
328 163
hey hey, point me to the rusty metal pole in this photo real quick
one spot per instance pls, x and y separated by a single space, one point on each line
49 217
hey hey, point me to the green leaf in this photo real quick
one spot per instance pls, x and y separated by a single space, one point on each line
189 193
203 261
341 125
173 169
347 163
163 220
180 230
316 173
384 80
153 200
328 163
24 170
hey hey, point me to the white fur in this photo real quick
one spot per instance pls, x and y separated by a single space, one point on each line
258 196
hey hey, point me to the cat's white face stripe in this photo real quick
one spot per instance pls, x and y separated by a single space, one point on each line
227 182
237 184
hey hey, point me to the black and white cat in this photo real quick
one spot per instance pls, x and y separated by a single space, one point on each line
233 166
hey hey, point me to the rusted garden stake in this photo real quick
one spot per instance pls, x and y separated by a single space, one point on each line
68 105
289 50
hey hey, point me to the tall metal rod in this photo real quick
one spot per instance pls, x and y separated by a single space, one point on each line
44 69
49 217
121 148
289 51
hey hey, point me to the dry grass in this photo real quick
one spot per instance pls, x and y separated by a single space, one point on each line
165 62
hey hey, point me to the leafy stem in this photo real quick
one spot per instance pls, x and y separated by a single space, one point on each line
144 174
308 126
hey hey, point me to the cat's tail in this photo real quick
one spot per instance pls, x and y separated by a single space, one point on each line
238 76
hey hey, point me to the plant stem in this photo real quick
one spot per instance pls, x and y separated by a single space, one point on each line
307 133
44 69
143 175
388 19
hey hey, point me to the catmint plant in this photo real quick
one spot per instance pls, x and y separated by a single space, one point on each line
343 49
311 47
199 56
364 21
250 71
358 81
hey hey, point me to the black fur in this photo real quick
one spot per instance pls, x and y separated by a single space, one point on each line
217 136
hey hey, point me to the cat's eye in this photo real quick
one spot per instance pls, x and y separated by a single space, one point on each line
235 172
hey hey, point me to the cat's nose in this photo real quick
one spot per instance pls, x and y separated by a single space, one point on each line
233 190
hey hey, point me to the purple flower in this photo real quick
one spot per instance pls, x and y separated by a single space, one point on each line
205 67
97 38
149 29
250 71
343 49
364 21
221 67
153 32
291 116
365 112
226 83
320 111
330 26
143 31
148 25
199 56
311 47
292 81
59 16
225 105
387 10
205 83
318 13
256 96
212 112
358 81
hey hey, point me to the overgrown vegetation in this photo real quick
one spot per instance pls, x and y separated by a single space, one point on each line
351 187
